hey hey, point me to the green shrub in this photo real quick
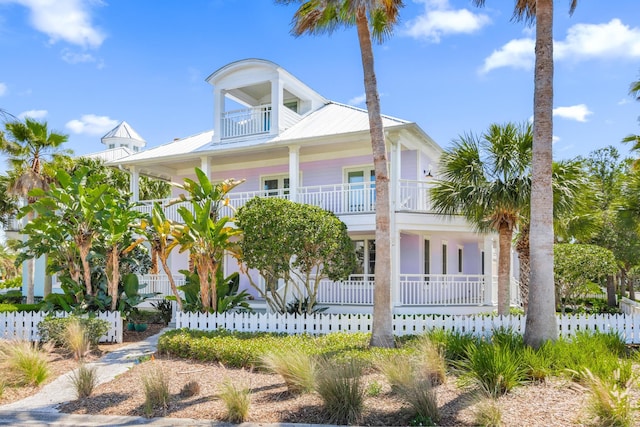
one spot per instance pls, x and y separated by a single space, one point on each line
237 401
84 380
15 282
11 307
77 339
454 344
419 393
244 349
54 330
25 363
11 297
397 369
341 389
296 367
495 368
488 413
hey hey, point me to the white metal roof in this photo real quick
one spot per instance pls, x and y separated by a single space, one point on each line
176 147
123 130
333 119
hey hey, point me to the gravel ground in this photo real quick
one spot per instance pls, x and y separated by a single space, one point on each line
555 403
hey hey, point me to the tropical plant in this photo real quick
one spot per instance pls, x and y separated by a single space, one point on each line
610 404
486 179
373 20
8 269
159 232
297 244
206 234
32 149
634 90
227 292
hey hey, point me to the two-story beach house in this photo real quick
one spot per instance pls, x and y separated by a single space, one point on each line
286 140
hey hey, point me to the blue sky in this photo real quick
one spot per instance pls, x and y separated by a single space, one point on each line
85 65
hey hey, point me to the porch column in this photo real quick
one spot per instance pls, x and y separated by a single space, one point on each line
276 101
394 195
488 270
395 174
294 172
134 184
396 294
205 166
218 111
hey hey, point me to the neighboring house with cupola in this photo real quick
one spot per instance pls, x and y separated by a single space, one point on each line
286 140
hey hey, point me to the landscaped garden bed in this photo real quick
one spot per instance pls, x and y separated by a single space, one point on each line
560 396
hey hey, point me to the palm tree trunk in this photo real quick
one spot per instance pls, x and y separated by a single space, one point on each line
382 328
541 324
113 279
524 258
172 282
31 270
505 234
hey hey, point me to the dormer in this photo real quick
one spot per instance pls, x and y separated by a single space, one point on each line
123 136
255 98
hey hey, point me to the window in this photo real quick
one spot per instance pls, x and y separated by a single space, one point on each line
427 256
275 185
361 192
460 252
482 262
292 105
112 146
365 256
123 145
136 148
444 258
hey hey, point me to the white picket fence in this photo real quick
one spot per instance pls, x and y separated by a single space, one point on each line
24 325
627 326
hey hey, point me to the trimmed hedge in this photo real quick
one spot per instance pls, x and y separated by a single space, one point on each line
244 349
9 308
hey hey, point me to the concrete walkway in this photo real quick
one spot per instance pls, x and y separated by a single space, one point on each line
41 408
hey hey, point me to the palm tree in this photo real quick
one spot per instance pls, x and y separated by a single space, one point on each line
635 91
373 19
486 179
541 324
32 149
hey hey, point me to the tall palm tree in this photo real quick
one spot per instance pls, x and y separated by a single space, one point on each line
486 179
373 19
541 324
31 148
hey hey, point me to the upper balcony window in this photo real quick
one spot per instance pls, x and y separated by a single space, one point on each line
292 105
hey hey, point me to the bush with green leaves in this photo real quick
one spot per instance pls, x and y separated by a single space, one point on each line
244 349
13 296
24 362
294 243
54 329
297 368
12 283
578 267
8 308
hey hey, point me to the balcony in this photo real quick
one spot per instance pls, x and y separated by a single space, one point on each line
12 224
341 199
245 122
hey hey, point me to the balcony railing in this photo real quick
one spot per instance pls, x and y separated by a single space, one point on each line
442 289
12 224
245 122
341 199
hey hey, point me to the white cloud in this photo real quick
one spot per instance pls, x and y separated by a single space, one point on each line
623 101
583 42
3 89
517 53
90 124
33 114
555 138
575 112
358 100
439 19
76 58
68 20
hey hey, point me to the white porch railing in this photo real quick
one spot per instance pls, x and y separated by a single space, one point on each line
358 290
442 289
159 283
12 224
341 198
245 122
